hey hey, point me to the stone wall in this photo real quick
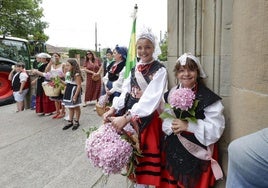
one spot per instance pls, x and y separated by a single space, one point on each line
230 37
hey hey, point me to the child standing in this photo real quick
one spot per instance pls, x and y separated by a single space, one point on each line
72 95
20 84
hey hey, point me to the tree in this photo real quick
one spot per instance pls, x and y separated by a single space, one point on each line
21 18
163 47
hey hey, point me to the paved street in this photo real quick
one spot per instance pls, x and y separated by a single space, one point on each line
35 152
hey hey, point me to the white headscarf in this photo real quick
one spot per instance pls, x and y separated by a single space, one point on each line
146 33
182 61
43 55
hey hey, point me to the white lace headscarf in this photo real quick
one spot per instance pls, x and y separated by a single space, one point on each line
182 61
146 33
43 55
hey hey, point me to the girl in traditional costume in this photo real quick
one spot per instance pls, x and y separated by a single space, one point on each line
190 148
140 100
72 95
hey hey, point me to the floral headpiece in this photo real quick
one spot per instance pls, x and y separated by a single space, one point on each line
182 61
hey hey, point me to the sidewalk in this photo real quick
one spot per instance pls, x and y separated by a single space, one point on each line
35 152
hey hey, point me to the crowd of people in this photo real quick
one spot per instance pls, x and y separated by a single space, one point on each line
177 151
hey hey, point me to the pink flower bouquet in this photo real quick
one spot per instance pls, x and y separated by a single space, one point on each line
55 77
53 74
107 150
182 99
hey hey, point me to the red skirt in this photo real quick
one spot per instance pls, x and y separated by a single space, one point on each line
44 104
206 180
148 170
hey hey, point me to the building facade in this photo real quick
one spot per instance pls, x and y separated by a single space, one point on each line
230 38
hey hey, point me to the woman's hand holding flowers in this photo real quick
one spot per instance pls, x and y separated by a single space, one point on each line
181 100
106 116
179 125
119 122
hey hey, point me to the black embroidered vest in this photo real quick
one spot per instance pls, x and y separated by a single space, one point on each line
40 80
113 75
130 100
16 83
147 74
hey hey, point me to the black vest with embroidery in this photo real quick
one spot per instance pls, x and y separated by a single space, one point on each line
185 167
114 75
16 82
130 100
147 74
40 80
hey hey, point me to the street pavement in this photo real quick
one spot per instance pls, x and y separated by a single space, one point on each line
35 152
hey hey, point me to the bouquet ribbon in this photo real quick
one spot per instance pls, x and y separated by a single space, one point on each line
203 154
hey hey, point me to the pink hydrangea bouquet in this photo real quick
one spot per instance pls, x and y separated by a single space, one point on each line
53 74
182 99
55 78
107 150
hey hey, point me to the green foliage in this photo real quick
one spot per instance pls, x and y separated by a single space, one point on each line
21 18
191 112
73 52
163 47
89 131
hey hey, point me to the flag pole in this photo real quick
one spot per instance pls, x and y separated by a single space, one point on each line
131 55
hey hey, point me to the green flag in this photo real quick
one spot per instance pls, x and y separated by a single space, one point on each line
131 54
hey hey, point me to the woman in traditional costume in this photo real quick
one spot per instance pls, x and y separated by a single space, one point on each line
140 100
44 106
114 78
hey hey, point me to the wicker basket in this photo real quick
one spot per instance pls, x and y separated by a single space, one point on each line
101 109
50 91
62 91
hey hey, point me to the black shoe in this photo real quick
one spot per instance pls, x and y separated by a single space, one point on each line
76 125
69 125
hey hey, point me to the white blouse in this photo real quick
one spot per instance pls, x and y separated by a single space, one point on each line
117 84
208 130
151 98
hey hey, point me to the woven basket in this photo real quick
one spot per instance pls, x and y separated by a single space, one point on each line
51 91
101 109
